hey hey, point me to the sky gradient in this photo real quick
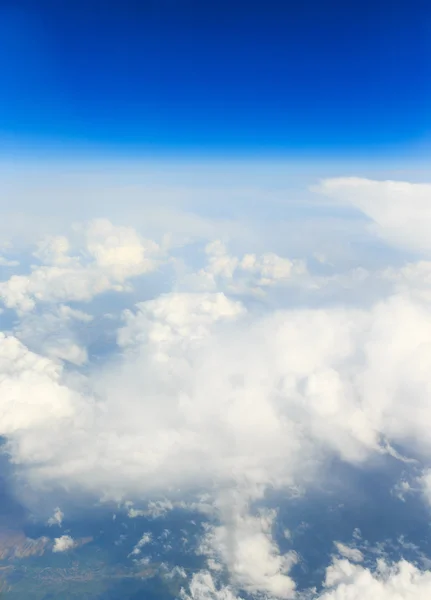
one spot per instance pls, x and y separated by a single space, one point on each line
171 77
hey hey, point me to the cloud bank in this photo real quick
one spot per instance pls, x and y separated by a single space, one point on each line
213 398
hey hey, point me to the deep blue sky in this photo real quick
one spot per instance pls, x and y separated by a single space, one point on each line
224 76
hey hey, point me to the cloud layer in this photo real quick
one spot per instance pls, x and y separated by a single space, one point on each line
213 398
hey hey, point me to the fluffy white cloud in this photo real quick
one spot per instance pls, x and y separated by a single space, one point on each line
400 211
250 274
412 279
244 544
402 581
63 544
119 251
206 396
106 257
212 396
31 392
203 587
344 581
173 319
197 400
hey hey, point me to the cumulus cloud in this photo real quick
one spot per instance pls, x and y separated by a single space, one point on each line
249 274
245 545
106 257
175 318
53 333
249 406
32 395
203 587
400 210
401 581
344 580
209 402
63 544
144 541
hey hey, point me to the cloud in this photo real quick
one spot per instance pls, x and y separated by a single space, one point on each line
344 581
54 333
212 402
353 554
173 318
211 391
31 393
57 518
63 544
106 257
203 587
401 581
154 509
250 274
413 278
249 406
211 396
4 262
119 251
244 544
400 211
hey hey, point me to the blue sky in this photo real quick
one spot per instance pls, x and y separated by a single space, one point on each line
172 77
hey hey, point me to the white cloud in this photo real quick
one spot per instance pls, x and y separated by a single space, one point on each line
238 401
214 397
144 541
54 250
402 581
413 279
154 509
400 211
166 321
31 394
344 581
206 396
353 554
250 274
244 544
57 517
53 333
63 544
119 251
106 257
